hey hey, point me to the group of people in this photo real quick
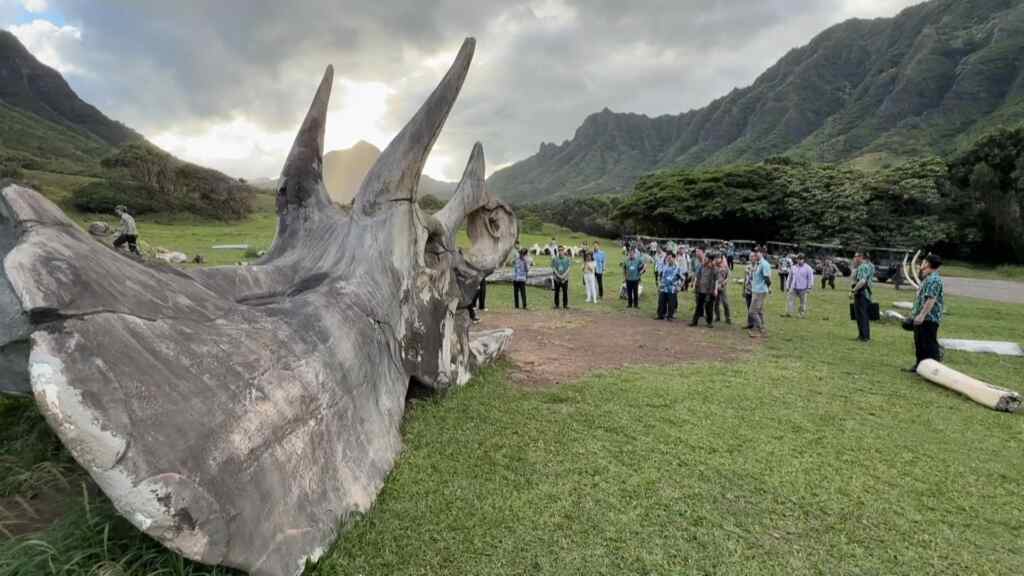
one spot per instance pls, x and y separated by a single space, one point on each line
594 262
677 268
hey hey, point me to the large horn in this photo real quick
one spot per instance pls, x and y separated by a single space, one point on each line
301 194
906 270
396 174
915 269
469 194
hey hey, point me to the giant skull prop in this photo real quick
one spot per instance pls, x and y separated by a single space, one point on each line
239 414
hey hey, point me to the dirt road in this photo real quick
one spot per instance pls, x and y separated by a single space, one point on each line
997 290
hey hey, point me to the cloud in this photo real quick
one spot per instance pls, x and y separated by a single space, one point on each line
51 44
35 6
191 71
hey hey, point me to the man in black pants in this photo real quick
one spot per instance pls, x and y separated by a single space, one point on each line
560 265
707 290
633 270
481 295
927 312
600 260
128 233
861 294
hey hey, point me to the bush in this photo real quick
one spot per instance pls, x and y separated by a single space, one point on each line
12 172
102 196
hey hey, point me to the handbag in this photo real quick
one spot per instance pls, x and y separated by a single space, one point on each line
874 312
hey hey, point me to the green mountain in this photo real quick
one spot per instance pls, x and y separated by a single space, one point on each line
43 123
930 80
90 162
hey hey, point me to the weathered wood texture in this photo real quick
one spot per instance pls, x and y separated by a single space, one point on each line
238 414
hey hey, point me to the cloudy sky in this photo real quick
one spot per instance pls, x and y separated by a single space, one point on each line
225 83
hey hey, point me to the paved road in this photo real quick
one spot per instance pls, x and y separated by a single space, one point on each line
998 290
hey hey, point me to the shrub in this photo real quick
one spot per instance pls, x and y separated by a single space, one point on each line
12 172
103 195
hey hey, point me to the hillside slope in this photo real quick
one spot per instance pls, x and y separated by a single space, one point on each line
928 81
29 85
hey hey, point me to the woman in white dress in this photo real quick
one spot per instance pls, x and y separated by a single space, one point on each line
590 276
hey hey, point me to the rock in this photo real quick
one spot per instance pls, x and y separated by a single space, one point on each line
893 315
903 305
239 414
983 346
486 346
172 257
100 229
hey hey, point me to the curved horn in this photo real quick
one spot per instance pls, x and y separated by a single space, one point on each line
915 268
906 271
469 194
301 194
396 174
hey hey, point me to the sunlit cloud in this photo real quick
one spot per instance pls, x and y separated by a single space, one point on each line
35 6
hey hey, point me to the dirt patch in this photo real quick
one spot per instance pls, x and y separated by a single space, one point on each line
553 347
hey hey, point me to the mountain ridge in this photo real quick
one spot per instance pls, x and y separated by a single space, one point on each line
926 81
29 85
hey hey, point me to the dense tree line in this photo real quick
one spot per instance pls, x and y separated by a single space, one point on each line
971 205
589 214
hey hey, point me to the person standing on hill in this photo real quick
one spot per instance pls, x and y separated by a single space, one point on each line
722 299
801 281
861 294
927 312
520 272
760 284
128 233
633 270
600 261
707 290
590 277
668 288
561 265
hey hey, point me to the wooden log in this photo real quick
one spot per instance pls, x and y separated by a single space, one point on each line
983 393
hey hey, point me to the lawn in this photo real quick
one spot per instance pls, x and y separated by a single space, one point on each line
968 270
813 455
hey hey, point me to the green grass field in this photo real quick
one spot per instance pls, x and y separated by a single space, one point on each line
968 270
813 455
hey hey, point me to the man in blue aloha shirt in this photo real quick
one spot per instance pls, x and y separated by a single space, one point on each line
863 278
633 269
668 297
561 264
927 312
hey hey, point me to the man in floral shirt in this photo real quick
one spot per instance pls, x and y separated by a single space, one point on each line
863 278
927 312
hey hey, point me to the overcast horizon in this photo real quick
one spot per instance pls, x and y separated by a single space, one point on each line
227 89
